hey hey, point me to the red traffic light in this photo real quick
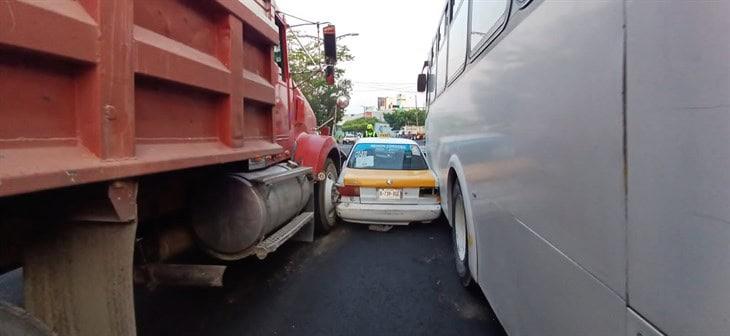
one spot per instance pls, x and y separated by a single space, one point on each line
329 30
330 45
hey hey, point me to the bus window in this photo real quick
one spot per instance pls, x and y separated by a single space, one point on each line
441 71
451 11
430 77
442 32
486 18
433 71
457 40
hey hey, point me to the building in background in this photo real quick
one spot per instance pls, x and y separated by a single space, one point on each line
390 104
366 114
385 105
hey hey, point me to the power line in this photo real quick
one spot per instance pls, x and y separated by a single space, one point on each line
408 89
296 17
301 45
370 91
381 89
404 83
383 85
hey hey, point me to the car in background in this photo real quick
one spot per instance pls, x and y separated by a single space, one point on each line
349 139
387 181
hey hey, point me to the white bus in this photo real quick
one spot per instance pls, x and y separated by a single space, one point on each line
583 153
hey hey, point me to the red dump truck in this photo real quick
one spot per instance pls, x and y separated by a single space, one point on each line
134 130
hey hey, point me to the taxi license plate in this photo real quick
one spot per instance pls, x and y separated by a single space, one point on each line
389 194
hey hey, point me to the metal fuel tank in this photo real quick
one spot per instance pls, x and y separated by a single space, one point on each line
233 212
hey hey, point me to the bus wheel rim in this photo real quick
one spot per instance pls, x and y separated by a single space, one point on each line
460 230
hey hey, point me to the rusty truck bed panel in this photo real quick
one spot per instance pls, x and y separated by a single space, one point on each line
95 90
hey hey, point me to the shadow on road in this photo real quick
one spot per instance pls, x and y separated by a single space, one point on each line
352 281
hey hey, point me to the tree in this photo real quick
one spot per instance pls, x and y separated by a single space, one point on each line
306 64
400 118
359 125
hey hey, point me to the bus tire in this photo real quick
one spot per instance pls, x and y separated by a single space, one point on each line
17 322
324 203
460 237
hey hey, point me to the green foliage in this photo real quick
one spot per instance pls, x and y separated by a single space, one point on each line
359 125
309 77
412 117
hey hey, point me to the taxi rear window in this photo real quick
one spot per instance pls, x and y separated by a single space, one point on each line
387 157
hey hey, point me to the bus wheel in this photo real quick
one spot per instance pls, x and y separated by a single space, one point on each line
17 322
460 235
324 199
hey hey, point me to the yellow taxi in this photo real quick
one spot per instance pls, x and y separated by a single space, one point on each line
387 181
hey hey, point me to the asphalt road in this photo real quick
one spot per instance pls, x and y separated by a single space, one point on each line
351 282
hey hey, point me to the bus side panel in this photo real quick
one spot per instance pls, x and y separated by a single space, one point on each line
637 326
537 124
537 290
679 164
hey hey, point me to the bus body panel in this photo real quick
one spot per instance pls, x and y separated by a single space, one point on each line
537 124
537 290
592 140
636 325
678 110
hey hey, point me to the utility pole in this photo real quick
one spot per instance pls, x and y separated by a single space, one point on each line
334 121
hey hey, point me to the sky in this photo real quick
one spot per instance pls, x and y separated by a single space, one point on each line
394 39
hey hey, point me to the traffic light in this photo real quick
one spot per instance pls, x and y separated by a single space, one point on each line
330 45
330 53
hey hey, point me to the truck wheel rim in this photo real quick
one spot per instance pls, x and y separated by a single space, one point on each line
329 198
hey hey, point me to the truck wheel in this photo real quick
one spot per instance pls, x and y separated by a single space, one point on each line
17 322
324 199
460 236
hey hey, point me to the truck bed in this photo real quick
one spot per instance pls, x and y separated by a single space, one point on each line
96 90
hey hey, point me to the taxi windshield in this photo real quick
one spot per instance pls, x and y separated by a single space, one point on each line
387 156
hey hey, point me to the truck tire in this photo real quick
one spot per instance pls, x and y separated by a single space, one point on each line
17 322
460 236
325 216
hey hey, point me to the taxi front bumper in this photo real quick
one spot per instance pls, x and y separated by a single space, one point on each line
391 214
